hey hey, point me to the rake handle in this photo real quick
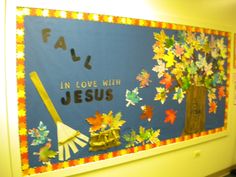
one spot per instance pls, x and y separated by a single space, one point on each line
44 96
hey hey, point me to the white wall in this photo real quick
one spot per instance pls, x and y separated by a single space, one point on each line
5 169
211 156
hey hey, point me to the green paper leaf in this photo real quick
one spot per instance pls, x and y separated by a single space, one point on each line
154 136
46 154
132 97
130 139
116 121
179 94
170 42
192 69
186 83
181 36
208 83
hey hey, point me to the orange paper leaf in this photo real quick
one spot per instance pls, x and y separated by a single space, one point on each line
167 80
212 107
221 92
144 78
170 116
95 122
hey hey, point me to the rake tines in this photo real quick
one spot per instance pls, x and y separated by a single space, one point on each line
67 136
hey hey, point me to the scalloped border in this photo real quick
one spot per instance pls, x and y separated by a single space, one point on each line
21 12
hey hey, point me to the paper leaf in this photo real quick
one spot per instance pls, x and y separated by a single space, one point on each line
143 78
190 37
214 53
170 116
169 58
181 37
159 51
179 94
167 80
117 122
201 63
132 97
215 79
161 94
192 69
160 37
221 63
169 42
178 70
107 119
208 83
188 51
154 136
39 134
130 139
160 68
95 122
143 135
223 53
211 94
179 50
212 107
208 69
147 112
222 47
185 83
221 92
46 154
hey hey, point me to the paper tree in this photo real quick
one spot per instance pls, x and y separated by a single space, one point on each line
192 65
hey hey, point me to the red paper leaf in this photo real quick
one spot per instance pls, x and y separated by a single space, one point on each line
167 80
170 116
147 113
221 92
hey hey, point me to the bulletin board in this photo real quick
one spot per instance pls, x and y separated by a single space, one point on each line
93 87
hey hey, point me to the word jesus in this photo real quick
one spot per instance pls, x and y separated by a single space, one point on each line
87 95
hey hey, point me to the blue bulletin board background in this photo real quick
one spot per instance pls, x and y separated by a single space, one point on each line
118 52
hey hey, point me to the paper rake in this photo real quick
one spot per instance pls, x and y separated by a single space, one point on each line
67 136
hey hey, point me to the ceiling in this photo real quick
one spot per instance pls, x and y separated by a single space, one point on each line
217 12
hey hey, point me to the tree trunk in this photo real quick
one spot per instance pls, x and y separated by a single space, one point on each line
195 115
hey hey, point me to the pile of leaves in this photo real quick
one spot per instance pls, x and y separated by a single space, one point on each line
142 137
105 121
188 59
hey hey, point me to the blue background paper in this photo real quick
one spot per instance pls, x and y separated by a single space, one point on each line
117 52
